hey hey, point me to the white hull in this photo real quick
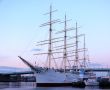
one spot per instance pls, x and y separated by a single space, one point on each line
51 77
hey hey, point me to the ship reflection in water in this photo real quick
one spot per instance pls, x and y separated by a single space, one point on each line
31 86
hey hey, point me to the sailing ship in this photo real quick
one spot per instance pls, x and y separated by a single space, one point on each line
72 66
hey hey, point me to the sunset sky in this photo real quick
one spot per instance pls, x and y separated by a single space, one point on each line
20 21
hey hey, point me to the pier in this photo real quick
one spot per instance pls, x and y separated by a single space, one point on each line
26 76
18 76
98 69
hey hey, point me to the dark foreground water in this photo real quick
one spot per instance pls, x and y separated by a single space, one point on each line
31 86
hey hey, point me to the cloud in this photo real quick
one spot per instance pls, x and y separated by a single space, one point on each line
2 57
95 65
36 49
6 57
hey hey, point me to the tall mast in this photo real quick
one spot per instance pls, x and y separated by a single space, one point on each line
84 52
50 37
65 60
65 50
76 51
49 41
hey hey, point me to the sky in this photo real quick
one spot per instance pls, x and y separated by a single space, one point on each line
20 21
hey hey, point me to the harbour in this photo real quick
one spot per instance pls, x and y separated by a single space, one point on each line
74 70
59 56
74 74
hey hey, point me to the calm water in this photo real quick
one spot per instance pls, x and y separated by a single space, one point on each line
31 86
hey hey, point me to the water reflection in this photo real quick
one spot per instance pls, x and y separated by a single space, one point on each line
16 84
31 86
4 85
